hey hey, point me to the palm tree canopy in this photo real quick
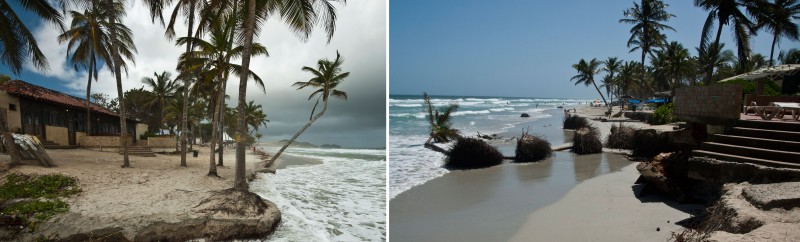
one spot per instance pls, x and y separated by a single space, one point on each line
162 86
646 19
88 39
727 12
777 18
327 77
586 71
17 42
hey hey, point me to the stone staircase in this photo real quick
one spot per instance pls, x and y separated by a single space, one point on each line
768 143
143 151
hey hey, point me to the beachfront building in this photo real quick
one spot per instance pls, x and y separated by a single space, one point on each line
59 118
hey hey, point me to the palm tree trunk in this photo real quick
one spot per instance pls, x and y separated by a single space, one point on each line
88 97
123 126
221 123
772 51
599 92
275 157
185 112
212 167
240 183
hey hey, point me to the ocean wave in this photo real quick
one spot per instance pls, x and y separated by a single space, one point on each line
462 113
339 200
411 164
501 109
407 105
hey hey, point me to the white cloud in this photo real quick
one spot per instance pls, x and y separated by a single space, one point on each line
360 36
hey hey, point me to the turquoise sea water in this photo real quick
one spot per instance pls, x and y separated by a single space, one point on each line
411 164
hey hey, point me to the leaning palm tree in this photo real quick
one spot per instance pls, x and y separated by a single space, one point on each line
301 16
213 59
88 41
647 19
726 12
776 17
586 72
162 87
17 43
327 78
440 121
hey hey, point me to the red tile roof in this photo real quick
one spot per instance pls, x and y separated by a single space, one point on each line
34 92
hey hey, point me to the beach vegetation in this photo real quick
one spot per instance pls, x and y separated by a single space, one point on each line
587 141
88 47
621 137
721 13
440 121
586 71
647 18
327 77
472 153
33 199
749 87
664 115
17 41
531 148
610 82
776 17
162 87
575 122
791 56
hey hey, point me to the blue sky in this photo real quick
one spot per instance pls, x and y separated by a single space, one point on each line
520 48
360 37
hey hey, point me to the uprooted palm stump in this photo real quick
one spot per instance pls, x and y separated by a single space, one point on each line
587 141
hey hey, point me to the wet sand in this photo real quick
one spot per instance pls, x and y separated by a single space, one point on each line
605 209
490 204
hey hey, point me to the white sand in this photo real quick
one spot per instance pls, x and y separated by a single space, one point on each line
154 189
605 209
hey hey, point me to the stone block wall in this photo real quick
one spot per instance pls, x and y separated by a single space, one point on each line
56 134
717 104
161 142
102 141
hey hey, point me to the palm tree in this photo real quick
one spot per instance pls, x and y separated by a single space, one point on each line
776 17
672 66
626 78
586 72
213 59
327 77
116 9
611 66
17 42
791 56
88 40
647 23
440 122
162 87
726 12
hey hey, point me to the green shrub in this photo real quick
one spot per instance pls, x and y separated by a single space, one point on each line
35 186
664 115
146 135
587 141
532 148
471 153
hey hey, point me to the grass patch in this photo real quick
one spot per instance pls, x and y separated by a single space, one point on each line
34 199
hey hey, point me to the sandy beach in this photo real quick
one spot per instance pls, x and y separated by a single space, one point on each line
563 198
155 189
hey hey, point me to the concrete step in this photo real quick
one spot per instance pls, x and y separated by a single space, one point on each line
767 154
745 159
791 126
766 133
772 144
